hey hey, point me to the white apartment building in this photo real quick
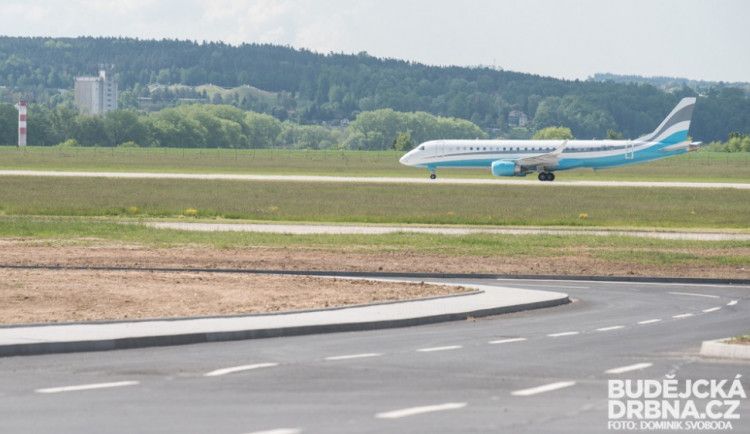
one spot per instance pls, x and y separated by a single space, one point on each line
96 95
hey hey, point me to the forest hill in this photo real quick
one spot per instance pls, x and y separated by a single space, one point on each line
310 89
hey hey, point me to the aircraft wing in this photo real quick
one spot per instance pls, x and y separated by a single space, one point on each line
549 159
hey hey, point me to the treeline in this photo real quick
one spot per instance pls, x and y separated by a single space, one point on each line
228 127
311 88
737 143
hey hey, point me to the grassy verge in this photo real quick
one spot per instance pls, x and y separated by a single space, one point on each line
620 249
696 167
521 205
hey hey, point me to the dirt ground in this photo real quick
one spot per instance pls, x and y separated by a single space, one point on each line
43 295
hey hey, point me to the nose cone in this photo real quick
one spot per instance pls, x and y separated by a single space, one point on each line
405 159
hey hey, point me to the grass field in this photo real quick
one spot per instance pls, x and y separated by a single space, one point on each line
696 166
90 211
620 249
521 205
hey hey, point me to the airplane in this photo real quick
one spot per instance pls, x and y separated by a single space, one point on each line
520 157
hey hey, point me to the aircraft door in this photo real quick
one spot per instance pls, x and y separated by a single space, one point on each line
440 148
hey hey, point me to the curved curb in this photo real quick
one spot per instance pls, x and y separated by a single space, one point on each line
719 348
54 338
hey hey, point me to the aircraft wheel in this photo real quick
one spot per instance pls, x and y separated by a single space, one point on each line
542 176
433 176
550 176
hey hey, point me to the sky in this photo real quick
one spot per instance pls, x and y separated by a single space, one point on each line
570 39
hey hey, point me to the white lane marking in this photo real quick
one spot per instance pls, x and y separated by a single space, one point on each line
429 350
623 369
508 341
713 309
527 285
732 303
279 431
648 321
692 294
557 335
87 387
684 315
606 329
413 411
543 389
354 356
234 369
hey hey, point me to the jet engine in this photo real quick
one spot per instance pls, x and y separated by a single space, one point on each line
506 168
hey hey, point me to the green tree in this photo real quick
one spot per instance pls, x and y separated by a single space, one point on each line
8 125
403 142
122 126
553 133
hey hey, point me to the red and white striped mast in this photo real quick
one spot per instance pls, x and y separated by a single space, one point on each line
21 106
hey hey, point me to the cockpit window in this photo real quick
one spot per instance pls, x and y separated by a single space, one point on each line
421 148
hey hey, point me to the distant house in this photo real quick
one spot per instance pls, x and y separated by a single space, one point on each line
96 95
517 118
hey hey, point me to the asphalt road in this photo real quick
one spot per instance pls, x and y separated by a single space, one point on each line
537 371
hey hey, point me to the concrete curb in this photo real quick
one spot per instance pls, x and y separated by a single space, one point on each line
719 348
66 338
397 275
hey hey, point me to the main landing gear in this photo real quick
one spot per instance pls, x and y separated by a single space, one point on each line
433 175
546 176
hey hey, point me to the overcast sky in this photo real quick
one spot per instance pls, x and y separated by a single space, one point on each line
698 39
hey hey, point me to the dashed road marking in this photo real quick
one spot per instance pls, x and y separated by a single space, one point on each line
607 329
649 321
692 294
87 387
543 389
448 348
354 356
558 335
684 315
413 411
732 303
624 369
234 369
279 431
507 341
713 309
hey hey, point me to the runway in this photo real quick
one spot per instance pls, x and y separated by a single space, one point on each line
388 180
539 371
